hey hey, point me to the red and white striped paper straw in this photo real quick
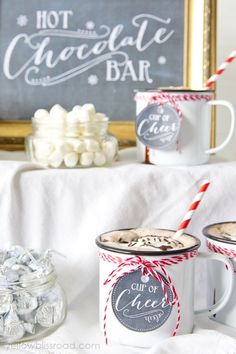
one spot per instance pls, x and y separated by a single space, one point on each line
221 69
188 217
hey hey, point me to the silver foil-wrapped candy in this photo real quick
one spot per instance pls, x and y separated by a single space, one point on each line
49 315
13 327
29 327
5 302
31 301
25 303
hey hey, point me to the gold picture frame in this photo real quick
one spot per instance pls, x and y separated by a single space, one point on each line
199 64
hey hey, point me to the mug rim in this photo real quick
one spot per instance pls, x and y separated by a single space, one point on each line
176 90
185 89
146 253
218 238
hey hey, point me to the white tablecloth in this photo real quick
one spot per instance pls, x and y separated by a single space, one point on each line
66 209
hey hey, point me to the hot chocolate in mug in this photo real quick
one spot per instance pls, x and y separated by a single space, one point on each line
221 239
147 285
173 126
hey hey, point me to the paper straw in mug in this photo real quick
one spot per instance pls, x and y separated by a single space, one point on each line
188 217
221 69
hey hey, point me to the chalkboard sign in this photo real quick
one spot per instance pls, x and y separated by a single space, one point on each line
76 51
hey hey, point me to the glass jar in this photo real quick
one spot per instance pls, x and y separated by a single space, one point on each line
71 145
31 309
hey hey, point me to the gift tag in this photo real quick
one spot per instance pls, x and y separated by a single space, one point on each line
139 302
158 126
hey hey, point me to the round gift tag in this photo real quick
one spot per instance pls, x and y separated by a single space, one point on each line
158 126
139 303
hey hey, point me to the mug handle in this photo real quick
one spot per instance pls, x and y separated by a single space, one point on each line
231 131
226 296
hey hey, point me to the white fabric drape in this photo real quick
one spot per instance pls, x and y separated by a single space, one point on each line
66 209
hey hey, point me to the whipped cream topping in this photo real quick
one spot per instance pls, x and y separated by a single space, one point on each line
224 231
146 240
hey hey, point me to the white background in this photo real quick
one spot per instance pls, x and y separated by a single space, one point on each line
226 87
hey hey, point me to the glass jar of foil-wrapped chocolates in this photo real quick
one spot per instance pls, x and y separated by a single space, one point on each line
79 138
32 303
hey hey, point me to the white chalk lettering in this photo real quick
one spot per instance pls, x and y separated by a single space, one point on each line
52 19
87 49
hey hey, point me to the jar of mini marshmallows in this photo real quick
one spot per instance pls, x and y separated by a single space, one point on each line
79 138
32 303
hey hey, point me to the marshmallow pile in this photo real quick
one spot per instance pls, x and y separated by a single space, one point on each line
71 139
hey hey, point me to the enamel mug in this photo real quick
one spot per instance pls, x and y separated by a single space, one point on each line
218 276
147 296
173 127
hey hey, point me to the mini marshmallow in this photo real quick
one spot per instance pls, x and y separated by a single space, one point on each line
71 117
90 108
86 159
42 121
87 113
76 110
101 117
99 159
63 147
58 113
110 149
56 159
92 145
78 145
84 116
90 129
41 114
72 124
43 148
71 159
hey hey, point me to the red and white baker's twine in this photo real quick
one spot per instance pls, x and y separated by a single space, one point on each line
147 267
164 97
221 69
188 216
217 249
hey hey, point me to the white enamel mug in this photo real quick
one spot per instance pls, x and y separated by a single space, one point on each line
218 275
138 308
173 127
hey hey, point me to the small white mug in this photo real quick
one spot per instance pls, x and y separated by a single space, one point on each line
134 310
173 126
218 276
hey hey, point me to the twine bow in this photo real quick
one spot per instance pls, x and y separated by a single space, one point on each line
165 98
